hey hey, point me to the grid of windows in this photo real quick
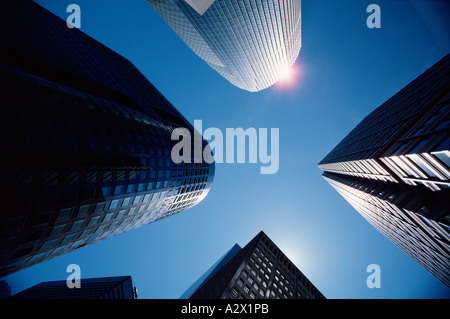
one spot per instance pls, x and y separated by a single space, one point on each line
393 168
120 287
408 226
89 143
268 273
250 43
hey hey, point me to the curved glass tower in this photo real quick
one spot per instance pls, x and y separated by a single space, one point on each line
86 141
252 44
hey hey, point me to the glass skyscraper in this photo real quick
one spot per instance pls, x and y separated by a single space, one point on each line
260 270
86 142
118 287
250 43
394 169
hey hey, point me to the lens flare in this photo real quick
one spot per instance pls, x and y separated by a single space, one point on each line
288 76
285 74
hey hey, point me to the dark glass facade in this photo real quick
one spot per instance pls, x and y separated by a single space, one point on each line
119 287
250 43
394 169
86 140
260 270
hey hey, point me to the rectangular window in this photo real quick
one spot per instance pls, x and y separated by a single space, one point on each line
57 230
108 217
127 201
68 238
118 190
83 210
114 204
64 213
131 188
94 220
76 225
99 207
48 244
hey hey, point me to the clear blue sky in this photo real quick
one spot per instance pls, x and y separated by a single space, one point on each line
347 70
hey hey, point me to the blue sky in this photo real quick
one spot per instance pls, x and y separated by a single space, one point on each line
346 71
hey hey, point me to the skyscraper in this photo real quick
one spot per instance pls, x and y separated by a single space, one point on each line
86 140
119 287
250 43
260 270
394 169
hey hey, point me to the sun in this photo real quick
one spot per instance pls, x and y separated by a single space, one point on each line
285 74
288 77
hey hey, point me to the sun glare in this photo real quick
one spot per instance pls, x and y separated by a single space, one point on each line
285 74
288 77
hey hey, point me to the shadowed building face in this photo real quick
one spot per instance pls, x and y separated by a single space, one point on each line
394 169
88 139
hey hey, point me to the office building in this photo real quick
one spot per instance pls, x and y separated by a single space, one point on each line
260 270
119 287
86 142
394 169
252 44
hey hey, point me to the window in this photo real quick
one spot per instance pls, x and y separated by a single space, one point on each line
444 157
127 201
100 207
57 230
114 204
131 188
94 220
118 189
406 169
121 213
64 213
83 210
423 164
48 244
142 187
138 199
76 225
68 238
108 217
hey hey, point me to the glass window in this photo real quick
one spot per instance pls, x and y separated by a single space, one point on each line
138 199
444 157
83 210
76 225
86 233
118 190
57 230
64 213
131 188
127 201
108 217
48 244
403 165
68 238
100 207
121 213
114 204
94 220
107 191
422 164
